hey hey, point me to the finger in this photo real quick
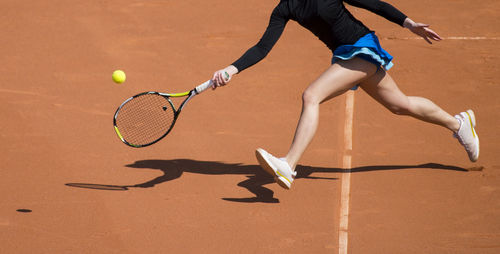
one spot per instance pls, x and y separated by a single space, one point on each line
216 81
225 77
436 38
213 83
433 34
427 39
220 79
216 78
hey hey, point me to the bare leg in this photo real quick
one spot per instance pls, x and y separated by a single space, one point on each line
382 88
336 80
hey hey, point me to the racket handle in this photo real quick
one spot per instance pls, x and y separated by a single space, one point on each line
203 87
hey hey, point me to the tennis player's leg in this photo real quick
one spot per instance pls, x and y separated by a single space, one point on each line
336 80
382 88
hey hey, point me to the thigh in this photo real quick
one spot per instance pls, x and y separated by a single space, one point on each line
340 77
383 89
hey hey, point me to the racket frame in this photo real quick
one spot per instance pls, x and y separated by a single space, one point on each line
190 94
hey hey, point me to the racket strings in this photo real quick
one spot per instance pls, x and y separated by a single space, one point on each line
145 119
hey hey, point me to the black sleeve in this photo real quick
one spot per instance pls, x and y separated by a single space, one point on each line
273 32
380 8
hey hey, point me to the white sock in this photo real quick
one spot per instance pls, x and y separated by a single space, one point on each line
460 122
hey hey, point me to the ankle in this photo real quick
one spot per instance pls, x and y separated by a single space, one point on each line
291 165
455 127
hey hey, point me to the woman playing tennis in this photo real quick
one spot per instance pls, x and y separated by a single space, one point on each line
358 60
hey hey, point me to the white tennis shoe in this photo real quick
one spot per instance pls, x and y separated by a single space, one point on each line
276 167
467 135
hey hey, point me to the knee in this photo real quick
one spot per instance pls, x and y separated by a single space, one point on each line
310 98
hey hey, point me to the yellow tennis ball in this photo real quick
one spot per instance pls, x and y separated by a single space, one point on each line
119 76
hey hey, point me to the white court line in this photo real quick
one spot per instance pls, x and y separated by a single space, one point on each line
470 38
465 38
346 175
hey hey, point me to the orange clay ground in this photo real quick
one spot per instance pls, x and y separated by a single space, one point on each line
200 190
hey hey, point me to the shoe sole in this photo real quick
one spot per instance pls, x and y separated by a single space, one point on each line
472 119
264 164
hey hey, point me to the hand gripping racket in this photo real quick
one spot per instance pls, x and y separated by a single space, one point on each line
146 118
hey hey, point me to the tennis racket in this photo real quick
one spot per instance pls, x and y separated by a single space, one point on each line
146 118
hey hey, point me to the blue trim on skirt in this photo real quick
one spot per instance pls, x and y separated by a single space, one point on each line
367 48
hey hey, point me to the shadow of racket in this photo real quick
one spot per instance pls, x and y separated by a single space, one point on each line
99 186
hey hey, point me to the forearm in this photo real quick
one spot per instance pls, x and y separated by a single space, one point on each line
252 56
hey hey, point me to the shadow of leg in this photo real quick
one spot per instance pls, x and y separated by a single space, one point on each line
255 184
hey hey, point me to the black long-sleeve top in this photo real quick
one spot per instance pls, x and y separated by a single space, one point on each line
329 20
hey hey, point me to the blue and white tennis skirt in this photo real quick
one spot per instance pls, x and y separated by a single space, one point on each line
367 48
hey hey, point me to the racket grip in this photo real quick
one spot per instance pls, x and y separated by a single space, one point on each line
203 87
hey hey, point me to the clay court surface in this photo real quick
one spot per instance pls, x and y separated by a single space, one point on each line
70 186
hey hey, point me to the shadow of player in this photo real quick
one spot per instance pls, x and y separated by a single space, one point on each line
256 177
